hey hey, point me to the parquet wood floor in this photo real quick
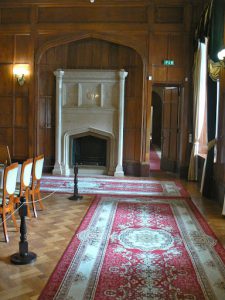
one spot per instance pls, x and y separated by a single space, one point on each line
49 234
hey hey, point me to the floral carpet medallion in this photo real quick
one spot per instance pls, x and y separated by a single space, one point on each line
112 185
139 248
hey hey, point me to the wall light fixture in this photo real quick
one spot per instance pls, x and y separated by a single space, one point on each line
21 71
215 67
221 54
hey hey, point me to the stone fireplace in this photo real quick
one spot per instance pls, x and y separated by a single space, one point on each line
89 121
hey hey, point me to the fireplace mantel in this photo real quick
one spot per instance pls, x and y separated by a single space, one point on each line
89 102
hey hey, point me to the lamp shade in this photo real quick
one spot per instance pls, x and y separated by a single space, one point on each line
221 54
21 69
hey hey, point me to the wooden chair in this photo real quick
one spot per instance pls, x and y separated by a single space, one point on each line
36 182
22 188
7 196
5 158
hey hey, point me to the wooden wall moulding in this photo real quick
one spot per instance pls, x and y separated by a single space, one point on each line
20 143
6 135
72 3
168 47
6 112
17 15
92 14
169 14
136 42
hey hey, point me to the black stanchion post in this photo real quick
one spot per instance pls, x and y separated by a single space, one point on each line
75 196
23 257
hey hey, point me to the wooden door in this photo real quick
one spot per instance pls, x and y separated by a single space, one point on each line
170 129
47 131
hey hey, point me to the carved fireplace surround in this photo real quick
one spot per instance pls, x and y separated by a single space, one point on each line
89 102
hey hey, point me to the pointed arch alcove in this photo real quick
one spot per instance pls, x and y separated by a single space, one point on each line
98 52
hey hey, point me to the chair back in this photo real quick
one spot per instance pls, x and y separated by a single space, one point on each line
5 157
9 181
38 167
25 176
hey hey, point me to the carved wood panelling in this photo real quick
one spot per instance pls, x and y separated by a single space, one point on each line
171 47
6 82
6 112
92 14
15 15
6 135
169 14
22 48
21 91
15 107
47 82
7 48
21 112
20 143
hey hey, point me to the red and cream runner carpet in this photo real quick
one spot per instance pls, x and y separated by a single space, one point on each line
112 185
155 157
140 248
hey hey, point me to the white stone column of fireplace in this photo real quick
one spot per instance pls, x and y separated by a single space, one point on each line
89 102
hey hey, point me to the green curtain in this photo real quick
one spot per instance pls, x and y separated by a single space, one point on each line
216 36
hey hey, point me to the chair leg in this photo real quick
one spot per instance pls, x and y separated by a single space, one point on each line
28 208
40 201
5 227
33 204
14 219
27 203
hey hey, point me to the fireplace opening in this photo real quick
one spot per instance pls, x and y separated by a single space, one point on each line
89 150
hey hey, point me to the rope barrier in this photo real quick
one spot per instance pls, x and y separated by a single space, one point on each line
29 202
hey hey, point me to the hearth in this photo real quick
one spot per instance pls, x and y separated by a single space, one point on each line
88 151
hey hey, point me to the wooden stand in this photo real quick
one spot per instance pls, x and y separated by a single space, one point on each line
23 257
75 196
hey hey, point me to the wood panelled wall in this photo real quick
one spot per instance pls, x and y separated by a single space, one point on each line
130 34
14 99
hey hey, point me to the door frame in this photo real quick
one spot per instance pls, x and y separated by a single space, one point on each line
173 168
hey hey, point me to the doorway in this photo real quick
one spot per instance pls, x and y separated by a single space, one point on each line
165 128
156 128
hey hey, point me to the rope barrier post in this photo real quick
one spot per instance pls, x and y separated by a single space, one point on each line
75 196
23 257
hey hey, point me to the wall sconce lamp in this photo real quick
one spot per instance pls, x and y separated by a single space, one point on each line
21 71
215 67
221 54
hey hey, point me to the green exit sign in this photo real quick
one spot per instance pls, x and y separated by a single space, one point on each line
168 62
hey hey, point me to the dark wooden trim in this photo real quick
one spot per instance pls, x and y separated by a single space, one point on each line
135 44
131 168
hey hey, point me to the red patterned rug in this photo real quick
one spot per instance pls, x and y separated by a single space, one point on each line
113 185
137 248
154 158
